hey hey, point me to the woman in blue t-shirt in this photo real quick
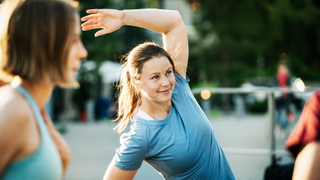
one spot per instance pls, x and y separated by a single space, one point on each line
169 130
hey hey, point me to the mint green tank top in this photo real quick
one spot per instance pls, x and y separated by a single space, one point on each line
43 164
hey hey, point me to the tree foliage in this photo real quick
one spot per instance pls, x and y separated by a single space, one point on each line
116 44
110 47
242 39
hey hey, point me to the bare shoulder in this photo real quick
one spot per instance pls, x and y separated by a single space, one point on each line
14 109
16 123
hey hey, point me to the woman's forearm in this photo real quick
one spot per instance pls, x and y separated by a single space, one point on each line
161 21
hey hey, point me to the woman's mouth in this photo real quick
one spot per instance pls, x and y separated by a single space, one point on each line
165 91
74 70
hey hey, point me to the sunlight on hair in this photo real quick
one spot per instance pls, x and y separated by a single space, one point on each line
75 4
6 9
205 94
2 19
16 81
300 85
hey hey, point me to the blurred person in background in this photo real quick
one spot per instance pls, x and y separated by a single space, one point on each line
169 130
40 47
304 141
284 113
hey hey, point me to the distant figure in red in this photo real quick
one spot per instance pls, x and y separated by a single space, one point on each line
283 103
283 78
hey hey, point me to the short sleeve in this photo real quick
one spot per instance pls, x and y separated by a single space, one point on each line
132 151
181 83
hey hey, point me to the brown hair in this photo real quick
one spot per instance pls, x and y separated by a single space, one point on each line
129 98
38 41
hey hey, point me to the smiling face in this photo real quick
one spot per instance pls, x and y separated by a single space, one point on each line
157 80
77 51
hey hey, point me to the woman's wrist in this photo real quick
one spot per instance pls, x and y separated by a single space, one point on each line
125 18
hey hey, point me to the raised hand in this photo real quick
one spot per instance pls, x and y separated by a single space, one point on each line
109 20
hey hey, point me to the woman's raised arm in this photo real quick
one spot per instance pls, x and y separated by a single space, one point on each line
167 22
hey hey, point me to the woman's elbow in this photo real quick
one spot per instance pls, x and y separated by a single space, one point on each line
176 17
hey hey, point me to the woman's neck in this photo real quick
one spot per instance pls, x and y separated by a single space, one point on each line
40 91
155 109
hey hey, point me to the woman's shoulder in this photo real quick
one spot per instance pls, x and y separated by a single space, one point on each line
14 109
180 78
181 82
138 133
16 121
139 128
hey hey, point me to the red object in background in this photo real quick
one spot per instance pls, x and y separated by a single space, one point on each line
290 117
282 80
83 116
307 128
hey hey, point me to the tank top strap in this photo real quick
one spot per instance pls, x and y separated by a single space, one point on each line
45 161
35 109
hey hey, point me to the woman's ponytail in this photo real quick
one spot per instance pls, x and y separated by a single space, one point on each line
128 102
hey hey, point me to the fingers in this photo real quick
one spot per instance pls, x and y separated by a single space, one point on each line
97 11
90 22
89 27
91 16
101 32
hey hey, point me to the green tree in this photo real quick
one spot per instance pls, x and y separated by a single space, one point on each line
104 47
111 46
233 35
107 47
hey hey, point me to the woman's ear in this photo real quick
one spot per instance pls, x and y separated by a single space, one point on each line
136 83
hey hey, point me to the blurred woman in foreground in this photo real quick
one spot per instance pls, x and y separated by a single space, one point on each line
41 46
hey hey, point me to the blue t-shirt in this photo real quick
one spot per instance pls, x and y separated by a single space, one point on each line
181 146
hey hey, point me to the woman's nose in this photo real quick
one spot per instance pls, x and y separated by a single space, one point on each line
165 81
82 51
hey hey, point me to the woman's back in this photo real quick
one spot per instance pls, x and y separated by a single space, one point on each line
35 156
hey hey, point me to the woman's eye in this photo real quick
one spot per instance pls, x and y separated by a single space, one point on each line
155 77
169 72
